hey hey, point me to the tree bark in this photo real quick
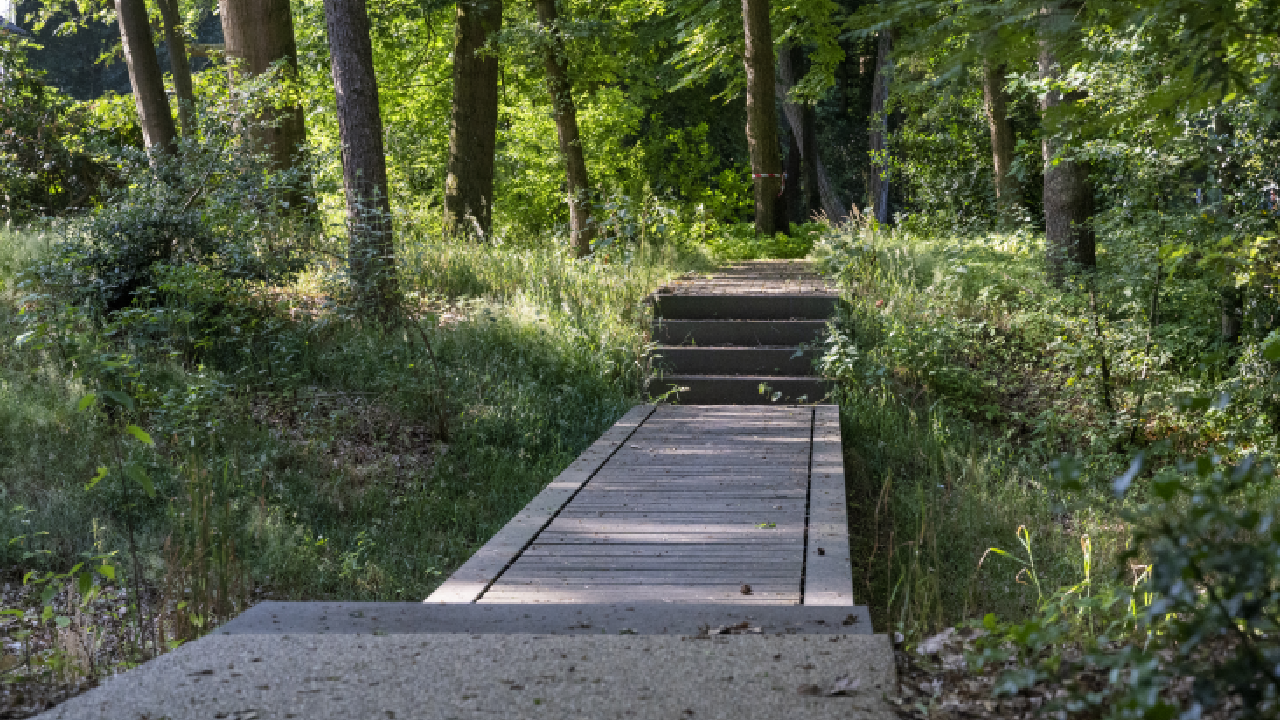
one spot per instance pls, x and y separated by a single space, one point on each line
473 128
1068 195
179 64
803 122
581 229
878 188
762 118
792 189
259 33
1007 186
158 131
1230 297
364 162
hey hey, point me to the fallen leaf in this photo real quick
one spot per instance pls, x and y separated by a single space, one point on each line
844 686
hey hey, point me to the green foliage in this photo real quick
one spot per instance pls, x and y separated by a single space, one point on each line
44 166
1200 603
740 242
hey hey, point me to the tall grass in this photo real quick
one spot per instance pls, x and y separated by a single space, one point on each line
945 378
334 477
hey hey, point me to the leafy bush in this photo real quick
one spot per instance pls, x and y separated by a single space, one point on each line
44 166
113 255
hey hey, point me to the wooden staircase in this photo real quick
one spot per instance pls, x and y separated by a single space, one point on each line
745 335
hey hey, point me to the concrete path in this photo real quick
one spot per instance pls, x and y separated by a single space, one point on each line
692 563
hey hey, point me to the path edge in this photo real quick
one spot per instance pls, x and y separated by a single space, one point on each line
828 573
474 577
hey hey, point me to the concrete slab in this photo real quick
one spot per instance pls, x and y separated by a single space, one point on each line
455 677
341 618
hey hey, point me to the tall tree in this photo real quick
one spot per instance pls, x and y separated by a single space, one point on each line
1007 186
793 191
818 191
158 131
364 161
762 119
473 127
1230 297
581 229
878 188
1068 195
259 34
179 64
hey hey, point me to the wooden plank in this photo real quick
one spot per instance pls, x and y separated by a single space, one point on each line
828 570
468 582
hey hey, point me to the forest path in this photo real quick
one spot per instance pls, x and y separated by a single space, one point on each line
739 502
692 563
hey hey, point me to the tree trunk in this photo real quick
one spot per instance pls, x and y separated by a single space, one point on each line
812 198
792 190
1230 297
364 162
1068 196
878 189
818 194
581 229
762 118
144 74
1008 188
258 34
473 128
179 64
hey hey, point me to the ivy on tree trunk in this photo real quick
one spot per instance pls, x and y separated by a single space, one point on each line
1007 186
581 229
364 162
259 33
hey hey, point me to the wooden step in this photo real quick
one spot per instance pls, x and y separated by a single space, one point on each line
732 360
738 332
739 389
745 307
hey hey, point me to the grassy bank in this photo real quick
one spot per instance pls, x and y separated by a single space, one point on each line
975 405
339 458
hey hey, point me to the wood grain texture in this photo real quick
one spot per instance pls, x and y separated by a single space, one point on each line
697 504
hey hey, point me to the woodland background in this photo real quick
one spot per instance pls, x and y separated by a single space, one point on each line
236 364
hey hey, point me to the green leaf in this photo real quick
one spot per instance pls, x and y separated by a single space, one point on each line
86 583
107 571
47 596
63 621
142 435
140 476
102 473
1271 350
118 399
85 402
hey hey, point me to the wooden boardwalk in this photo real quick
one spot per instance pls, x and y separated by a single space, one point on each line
704 504
714 504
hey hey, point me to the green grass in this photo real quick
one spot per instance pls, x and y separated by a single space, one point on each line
964 378
322 433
